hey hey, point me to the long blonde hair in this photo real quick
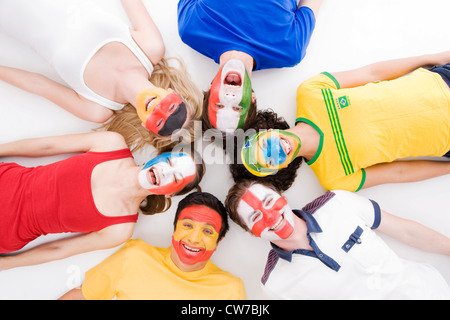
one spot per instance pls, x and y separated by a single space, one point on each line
127 123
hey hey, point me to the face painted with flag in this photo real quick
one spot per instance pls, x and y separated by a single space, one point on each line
230 98
266 152
168 173
266 213
161 111
196 234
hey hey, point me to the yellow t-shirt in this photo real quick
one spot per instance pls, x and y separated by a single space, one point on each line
375 123
139 271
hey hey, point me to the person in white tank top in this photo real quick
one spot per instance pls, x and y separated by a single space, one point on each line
105 64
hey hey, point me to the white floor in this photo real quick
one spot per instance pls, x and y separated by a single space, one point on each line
349 34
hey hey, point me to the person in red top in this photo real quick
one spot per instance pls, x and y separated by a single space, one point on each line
96 193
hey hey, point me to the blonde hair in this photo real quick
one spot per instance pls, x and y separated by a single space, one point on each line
127 123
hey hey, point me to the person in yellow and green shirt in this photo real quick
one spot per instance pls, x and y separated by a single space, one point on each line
139 271
352 125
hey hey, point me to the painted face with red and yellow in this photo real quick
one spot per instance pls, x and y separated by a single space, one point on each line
266 213
196 234
230 98
161 111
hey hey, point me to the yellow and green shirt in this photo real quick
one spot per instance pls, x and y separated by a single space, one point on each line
375 123
139 271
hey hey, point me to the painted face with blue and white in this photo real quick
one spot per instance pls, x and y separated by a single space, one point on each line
168 173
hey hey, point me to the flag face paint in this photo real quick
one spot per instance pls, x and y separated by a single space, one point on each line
161 111
196 234
230 98
266 213
168 173
266 152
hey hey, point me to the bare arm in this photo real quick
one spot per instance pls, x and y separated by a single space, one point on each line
388 70
145 32
107 238
414 234
405 171
57 93
48 146
314 5
74 294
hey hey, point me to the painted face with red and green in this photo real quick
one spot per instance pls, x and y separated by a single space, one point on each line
266 213
230 98
196 234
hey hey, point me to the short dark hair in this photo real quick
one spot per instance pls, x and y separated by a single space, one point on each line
208 200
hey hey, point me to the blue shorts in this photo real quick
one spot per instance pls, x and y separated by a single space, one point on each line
443 71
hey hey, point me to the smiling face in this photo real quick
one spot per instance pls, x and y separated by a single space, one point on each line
161 111
230 98
168 173
266 213
266 152
196 234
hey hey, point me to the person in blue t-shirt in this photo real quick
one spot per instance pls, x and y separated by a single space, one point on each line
244 36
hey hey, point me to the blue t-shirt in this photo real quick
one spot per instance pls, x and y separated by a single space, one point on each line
274 32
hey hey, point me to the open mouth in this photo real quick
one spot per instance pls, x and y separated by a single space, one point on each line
286 145
149 103
233 79
278 224
153 177
190 249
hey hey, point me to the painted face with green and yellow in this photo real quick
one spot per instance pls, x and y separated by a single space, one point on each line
268 151
230 98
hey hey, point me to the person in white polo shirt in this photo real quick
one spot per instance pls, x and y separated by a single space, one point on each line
329 249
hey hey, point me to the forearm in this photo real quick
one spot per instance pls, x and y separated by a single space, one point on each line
389 69
38 255
414 234
146 32
74 294
392 69
405 171
139 16
72 143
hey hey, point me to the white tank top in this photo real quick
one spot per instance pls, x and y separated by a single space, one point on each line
68 33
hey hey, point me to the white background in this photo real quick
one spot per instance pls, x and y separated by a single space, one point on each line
349 34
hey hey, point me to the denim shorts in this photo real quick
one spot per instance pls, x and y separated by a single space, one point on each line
443 71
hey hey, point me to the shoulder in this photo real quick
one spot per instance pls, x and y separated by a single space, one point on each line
321 81
104 141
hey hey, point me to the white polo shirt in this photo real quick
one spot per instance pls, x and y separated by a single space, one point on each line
349 260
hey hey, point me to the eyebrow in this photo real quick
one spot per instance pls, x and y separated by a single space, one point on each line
207 223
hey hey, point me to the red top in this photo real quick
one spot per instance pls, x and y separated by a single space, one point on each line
55 198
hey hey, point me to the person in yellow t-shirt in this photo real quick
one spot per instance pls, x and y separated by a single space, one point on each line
352 125
140 271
